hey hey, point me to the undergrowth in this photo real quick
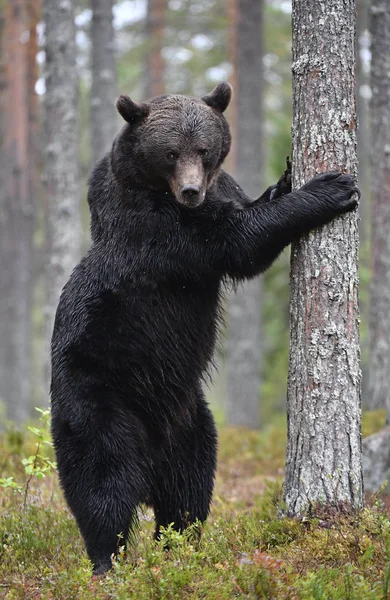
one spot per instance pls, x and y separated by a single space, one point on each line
246 550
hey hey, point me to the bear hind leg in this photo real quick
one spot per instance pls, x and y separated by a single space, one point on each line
186 481
102 482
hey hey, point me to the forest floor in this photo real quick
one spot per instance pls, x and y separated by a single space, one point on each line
246 550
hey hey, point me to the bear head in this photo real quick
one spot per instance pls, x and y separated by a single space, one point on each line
174 143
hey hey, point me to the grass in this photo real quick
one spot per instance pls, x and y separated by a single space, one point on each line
246 550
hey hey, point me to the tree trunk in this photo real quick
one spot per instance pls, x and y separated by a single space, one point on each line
380 222
17 200
4 271
363 132
61 160
324 463
103 118
364 152
154 67
244 312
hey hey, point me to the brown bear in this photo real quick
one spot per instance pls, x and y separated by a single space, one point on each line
137 321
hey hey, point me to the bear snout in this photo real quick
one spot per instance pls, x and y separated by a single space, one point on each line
189 184
191 195
190 192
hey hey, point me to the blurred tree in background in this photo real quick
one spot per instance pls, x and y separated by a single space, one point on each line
380 233
61 170
176 46
103 121
243 349
154 62
18 200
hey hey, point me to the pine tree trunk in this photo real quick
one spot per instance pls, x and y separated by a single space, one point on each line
17 201
363 132
324 463
244 312
364 152
3 271
154 67
34 165
61 154
380 222
104 124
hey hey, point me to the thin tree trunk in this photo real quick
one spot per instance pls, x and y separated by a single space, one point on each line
34 164
244 312
363 129
103 119
17 200
3 174
61 154
4 270
324 463
364 151
154 67
380 222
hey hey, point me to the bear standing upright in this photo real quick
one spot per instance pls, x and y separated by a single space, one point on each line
137 321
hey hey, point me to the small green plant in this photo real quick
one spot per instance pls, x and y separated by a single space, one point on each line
38 464
9 483
170 538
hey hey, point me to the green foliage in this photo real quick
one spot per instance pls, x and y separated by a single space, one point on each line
246 550
38 464
8 482
172 539
333 584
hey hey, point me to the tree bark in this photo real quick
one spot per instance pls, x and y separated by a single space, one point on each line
243 358
17 201
324 463
380 220
154 67
61 154
103 118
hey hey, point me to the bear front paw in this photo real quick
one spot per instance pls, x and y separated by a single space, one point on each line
336 190
284 184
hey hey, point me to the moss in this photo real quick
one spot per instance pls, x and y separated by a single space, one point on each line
373 420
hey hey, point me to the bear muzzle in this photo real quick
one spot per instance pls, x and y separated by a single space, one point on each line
189 185
191 195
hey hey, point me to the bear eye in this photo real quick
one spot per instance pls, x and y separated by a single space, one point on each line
203 152
171 155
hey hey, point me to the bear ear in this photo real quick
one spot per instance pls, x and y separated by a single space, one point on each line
131 111
219 97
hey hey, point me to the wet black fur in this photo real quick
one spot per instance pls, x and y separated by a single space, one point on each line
137 322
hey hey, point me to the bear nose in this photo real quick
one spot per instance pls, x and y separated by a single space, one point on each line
190 192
